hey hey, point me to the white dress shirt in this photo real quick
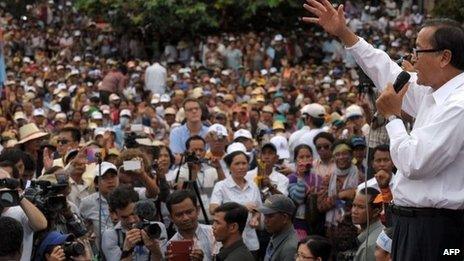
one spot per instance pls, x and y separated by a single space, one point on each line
430 159
155 78
228 191
303 136
277 178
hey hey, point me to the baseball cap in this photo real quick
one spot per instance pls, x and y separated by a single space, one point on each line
358 141
96 115
155 98
314 110
105 167
277 203
236 146
165 98
281 145
170 110
114 97
125 112
268 109
19 115
52 239
38 112
219 129
353 111
243 133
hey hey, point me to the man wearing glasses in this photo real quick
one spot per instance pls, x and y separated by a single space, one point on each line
193 126
428 198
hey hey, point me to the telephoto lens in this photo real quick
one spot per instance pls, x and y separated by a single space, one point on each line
73 249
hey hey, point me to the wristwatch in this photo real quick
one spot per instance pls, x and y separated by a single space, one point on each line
392 117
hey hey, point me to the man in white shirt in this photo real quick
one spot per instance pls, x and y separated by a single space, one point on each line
274 180
155 78
427 189
314 119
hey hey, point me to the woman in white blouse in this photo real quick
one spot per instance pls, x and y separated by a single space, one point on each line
236 188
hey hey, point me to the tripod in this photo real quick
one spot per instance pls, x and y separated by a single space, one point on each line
193 186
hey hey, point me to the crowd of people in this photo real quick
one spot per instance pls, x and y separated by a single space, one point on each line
251 146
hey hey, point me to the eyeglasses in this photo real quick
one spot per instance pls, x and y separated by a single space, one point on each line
192 109
303 257
416 51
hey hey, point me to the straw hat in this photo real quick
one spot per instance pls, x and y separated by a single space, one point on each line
30 132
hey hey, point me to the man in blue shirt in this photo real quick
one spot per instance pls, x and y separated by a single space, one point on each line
192 126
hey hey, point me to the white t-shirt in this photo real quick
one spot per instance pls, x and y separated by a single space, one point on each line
18 214
277 178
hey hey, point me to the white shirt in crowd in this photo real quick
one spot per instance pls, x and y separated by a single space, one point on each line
228 191
277 178
155 78
303 136
430 159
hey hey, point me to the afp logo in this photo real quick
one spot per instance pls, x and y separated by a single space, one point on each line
451 252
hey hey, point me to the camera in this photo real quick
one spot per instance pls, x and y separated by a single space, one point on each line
73 249
9 183
191 158
47 197
152 229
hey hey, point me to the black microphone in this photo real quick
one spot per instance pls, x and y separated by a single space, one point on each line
401 81
145 209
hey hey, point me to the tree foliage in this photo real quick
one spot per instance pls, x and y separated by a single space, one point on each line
453 9
171 19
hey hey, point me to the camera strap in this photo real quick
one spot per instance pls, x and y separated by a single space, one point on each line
121 237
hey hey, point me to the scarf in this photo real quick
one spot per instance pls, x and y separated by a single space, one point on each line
335 215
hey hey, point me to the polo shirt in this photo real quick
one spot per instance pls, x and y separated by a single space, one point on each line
180 135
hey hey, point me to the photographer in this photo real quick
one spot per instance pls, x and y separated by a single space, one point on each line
138 178
59 247
131 238
31 219
196 169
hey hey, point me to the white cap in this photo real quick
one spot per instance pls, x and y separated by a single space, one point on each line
155 99
105 166
281 144
339 82
86 108
19 115
99 131
243 133
236 146
77 59
96 115
219 129
225 72
263 72
273 70
165 98
170 110
314 109
278 37
125 112
38 112
56 108
61 116
353 110
327 79
114 97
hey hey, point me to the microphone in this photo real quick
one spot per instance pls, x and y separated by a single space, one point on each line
401 81
145 209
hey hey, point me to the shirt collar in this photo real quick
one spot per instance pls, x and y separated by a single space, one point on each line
445 90
278 239
363 235
230 183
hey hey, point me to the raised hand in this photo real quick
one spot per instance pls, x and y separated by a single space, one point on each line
332 20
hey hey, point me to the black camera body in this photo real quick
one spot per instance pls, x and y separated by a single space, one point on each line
191 158
152 229
73 249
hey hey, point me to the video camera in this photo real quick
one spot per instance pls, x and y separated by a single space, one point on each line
47 197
